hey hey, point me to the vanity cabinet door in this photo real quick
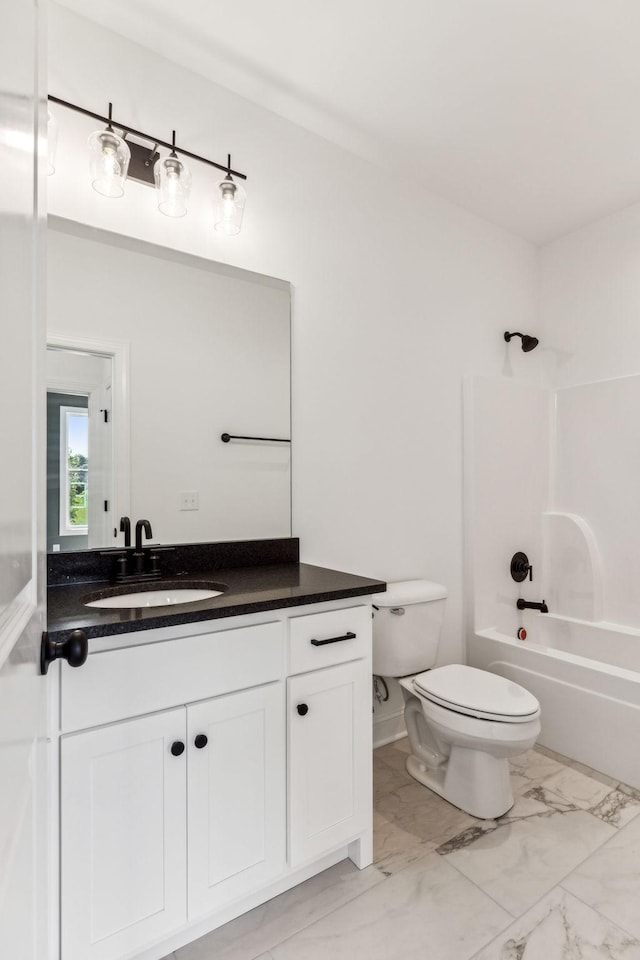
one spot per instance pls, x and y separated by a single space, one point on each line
329 779
123 860
236 795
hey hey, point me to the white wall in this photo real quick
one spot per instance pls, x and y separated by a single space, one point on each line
586 471
590 301
590 326
597 477
507 447
556 474
396 296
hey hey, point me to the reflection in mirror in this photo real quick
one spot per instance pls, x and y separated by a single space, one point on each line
208 348
79 449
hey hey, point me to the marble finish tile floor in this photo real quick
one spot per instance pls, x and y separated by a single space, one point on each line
556 878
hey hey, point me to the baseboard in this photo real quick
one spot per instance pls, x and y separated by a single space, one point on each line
388 729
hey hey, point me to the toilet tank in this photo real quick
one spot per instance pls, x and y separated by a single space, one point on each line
406 627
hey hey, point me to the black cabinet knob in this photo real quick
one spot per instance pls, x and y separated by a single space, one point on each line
177 748
302 709
201 741
74 650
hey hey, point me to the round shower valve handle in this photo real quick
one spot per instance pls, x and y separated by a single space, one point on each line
520 567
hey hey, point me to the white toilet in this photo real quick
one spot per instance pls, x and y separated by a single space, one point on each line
463 724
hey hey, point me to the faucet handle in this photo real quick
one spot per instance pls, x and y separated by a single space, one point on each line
520 567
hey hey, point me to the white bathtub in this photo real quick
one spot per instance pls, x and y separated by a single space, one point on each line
587 679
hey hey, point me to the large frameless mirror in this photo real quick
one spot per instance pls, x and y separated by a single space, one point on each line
152 356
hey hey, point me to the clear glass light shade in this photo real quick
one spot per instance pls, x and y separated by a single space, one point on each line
109 157
230 203
52 143
173 182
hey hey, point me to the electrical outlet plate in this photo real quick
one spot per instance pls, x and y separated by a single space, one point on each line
189 500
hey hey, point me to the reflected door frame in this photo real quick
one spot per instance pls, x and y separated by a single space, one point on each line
118 352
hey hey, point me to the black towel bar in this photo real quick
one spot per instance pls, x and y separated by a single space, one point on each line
225 437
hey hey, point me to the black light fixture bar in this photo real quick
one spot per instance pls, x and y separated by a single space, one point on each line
146 136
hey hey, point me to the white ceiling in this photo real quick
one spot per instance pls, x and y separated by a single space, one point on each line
523 111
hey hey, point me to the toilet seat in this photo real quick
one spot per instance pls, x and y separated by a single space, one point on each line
477 693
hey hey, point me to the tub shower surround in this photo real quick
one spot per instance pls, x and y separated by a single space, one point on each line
557 877
563 489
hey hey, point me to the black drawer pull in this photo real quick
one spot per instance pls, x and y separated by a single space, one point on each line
177 748
321 643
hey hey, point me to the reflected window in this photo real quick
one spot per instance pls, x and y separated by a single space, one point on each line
74 471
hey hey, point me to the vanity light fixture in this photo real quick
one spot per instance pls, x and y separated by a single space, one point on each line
173 182
115 158
109 158
229 204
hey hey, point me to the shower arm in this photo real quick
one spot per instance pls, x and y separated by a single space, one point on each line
529 343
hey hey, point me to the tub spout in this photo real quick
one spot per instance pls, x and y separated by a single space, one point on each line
530 605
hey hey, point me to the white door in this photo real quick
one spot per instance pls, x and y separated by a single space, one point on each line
329 758
23 797
123 836
236 822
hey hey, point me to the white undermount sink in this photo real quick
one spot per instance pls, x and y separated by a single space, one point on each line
157 597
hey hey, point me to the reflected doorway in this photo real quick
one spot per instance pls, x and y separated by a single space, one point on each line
79 450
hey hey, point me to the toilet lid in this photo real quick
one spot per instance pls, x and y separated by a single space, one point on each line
477 693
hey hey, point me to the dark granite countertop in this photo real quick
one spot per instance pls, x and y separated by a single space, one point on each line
250 589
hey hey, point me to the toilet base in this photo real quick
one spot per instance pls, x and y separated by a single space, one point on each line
471 780
462 758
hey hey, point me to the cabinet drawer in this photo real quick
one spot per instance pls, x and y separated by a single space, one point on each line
322 639
124 683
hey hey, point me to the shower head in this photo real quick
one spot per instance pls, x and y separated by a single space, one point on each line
528 343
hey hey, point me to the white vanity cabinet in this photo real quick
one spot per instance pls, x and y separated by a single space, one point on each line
159 827
329 721
235 796
123 808
192 785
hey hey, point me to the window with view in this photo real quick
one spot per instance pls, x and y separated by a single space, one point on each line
74 470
